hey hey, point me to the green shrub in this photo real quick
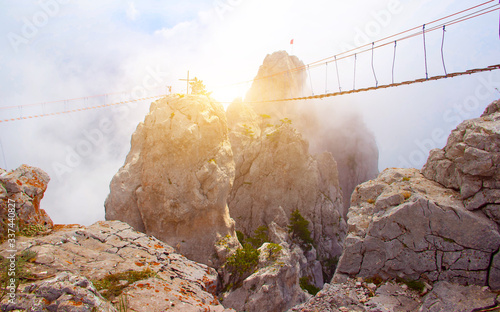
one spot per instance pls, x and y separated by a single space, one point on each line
299 229
33 230
244 260
286 121
260 236
416 285
241 237
305 285
21 272
122 304
241 264
114 288
247 130
273 251
197 87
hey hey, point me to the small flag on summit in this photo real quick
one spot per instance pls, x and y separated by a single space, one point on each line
291 41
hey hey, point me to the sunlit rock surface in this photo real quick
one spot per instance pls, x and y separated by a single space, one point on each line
177 176
404 225
21 190
72 255
470 162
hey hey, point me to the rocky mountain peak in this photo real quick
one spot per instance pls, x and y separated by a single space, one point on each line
177 176
280 76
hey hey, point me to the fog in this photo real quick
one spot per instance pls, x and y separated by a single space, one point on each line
54 50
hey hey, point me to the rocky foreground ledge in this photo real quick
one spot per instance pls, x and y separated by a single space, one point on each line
67 265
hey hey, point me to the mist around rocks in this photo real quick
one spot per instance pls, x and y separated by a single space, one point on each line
260 197
328 125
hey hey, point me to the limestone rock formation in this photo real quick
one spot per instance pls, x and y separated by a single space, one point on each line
404 225
273 287
357 295
64 292
177 176
275 175
470 162
362 296
280 76
113 248
328 128
21 191
452 297
276 285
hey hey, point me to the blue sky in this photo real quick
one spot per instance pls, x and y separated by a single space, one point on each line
95 47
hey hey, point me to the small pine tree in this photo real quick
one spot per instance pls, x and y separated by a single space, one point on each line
299 228
198 88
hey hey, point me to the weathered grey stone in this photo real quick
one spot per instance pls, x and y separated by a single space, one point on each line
113 247
416 228
470 161
22 189
273 287
275 175
394 297
357 295
177 176
65 292
452 297
493 212
494 276
155 294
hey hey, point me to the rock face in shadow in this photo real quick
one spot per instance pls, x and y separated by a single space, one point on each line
344 134
404 225
275 175
439 225
177 176
21 191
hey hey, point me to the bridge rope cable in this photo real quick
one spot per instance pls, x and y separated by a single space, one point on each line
81 109
310 80
354 80
61 101
442 53
425 53
394 60
338 77
373 68
321 61
409 30
462 19
326 77
321 96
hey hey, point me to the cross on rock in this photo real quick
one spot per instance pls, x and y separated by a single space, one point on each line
187 83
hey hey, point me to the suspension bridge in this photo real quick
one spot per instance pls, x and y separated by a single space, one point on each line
442 24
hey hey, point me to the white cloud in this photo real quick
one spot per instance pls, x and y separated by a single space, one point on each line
132 12
182 29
